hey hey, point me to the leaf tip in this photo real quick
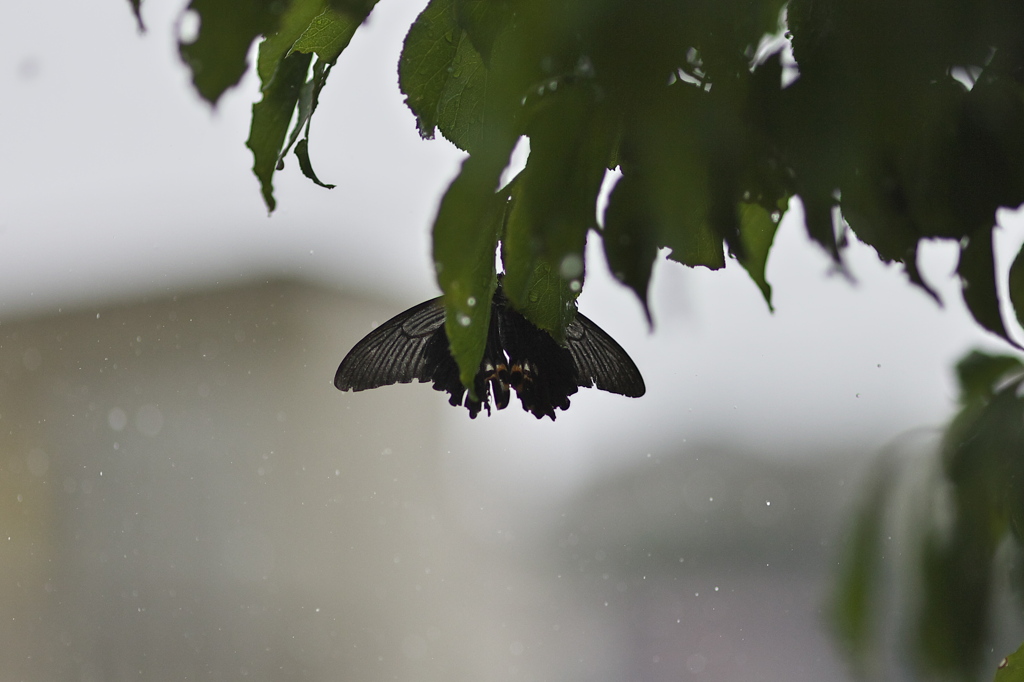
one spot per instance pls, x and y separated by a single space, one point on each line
137 11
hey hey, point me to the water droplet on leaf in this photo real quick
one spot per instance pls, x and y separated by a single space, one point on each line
571 266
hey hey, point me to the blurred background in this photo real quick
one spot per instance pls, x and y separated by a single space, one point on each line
184 495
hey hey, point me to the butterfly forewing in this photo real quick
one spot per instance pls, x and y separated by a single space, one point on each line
395 352
600 361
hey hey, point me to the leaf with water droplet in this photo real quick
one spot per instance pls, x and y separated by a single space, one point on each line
462 100
1011 668
465 240
426 62
554 203
270 119
551 301
327 35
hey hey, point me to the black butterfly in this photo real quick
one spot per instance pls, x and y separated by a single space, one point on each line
414 345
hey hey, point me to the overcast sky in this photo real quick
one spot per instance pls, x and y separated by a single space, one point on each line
116 180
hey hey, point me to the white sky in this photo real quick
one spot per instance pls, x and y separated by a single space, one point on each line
117 180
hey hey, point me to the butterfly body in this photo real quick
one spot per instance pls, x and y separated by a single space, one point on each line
518 356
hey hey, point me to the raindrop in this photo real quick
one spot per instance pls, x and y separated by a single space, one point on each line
571 266
188 27
471 301
464 320
575 286
776 216
149 420
117 419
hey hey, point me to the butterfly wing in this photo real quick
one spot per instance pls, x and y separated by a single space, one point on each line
600 361
401 350
413 346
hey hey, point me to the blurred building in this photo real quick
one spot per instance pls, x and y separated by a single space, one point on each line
185 496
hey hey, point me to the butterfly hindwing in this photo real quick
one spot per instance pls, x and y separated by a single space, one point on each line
600 361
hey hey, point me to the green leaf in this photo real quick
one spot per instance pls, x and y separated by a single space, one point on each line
270 118
757 231
227 30
426 62
302 151
1011 668
277 45
818 220
304 109
463 101
482 20
979 374
630 238
983 467
466 232
555 201
551 302
327 35
955 606
544 292
662 150
856 594
977 270
356 9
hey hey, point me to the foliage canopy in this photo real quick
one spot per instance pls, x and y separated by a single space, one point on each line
893 123
898 122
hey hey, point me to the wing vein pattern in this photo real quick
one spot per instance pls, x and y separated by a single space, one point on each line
394 352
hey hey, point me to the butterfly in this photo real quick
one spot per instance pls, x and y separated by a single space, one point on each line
518 356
